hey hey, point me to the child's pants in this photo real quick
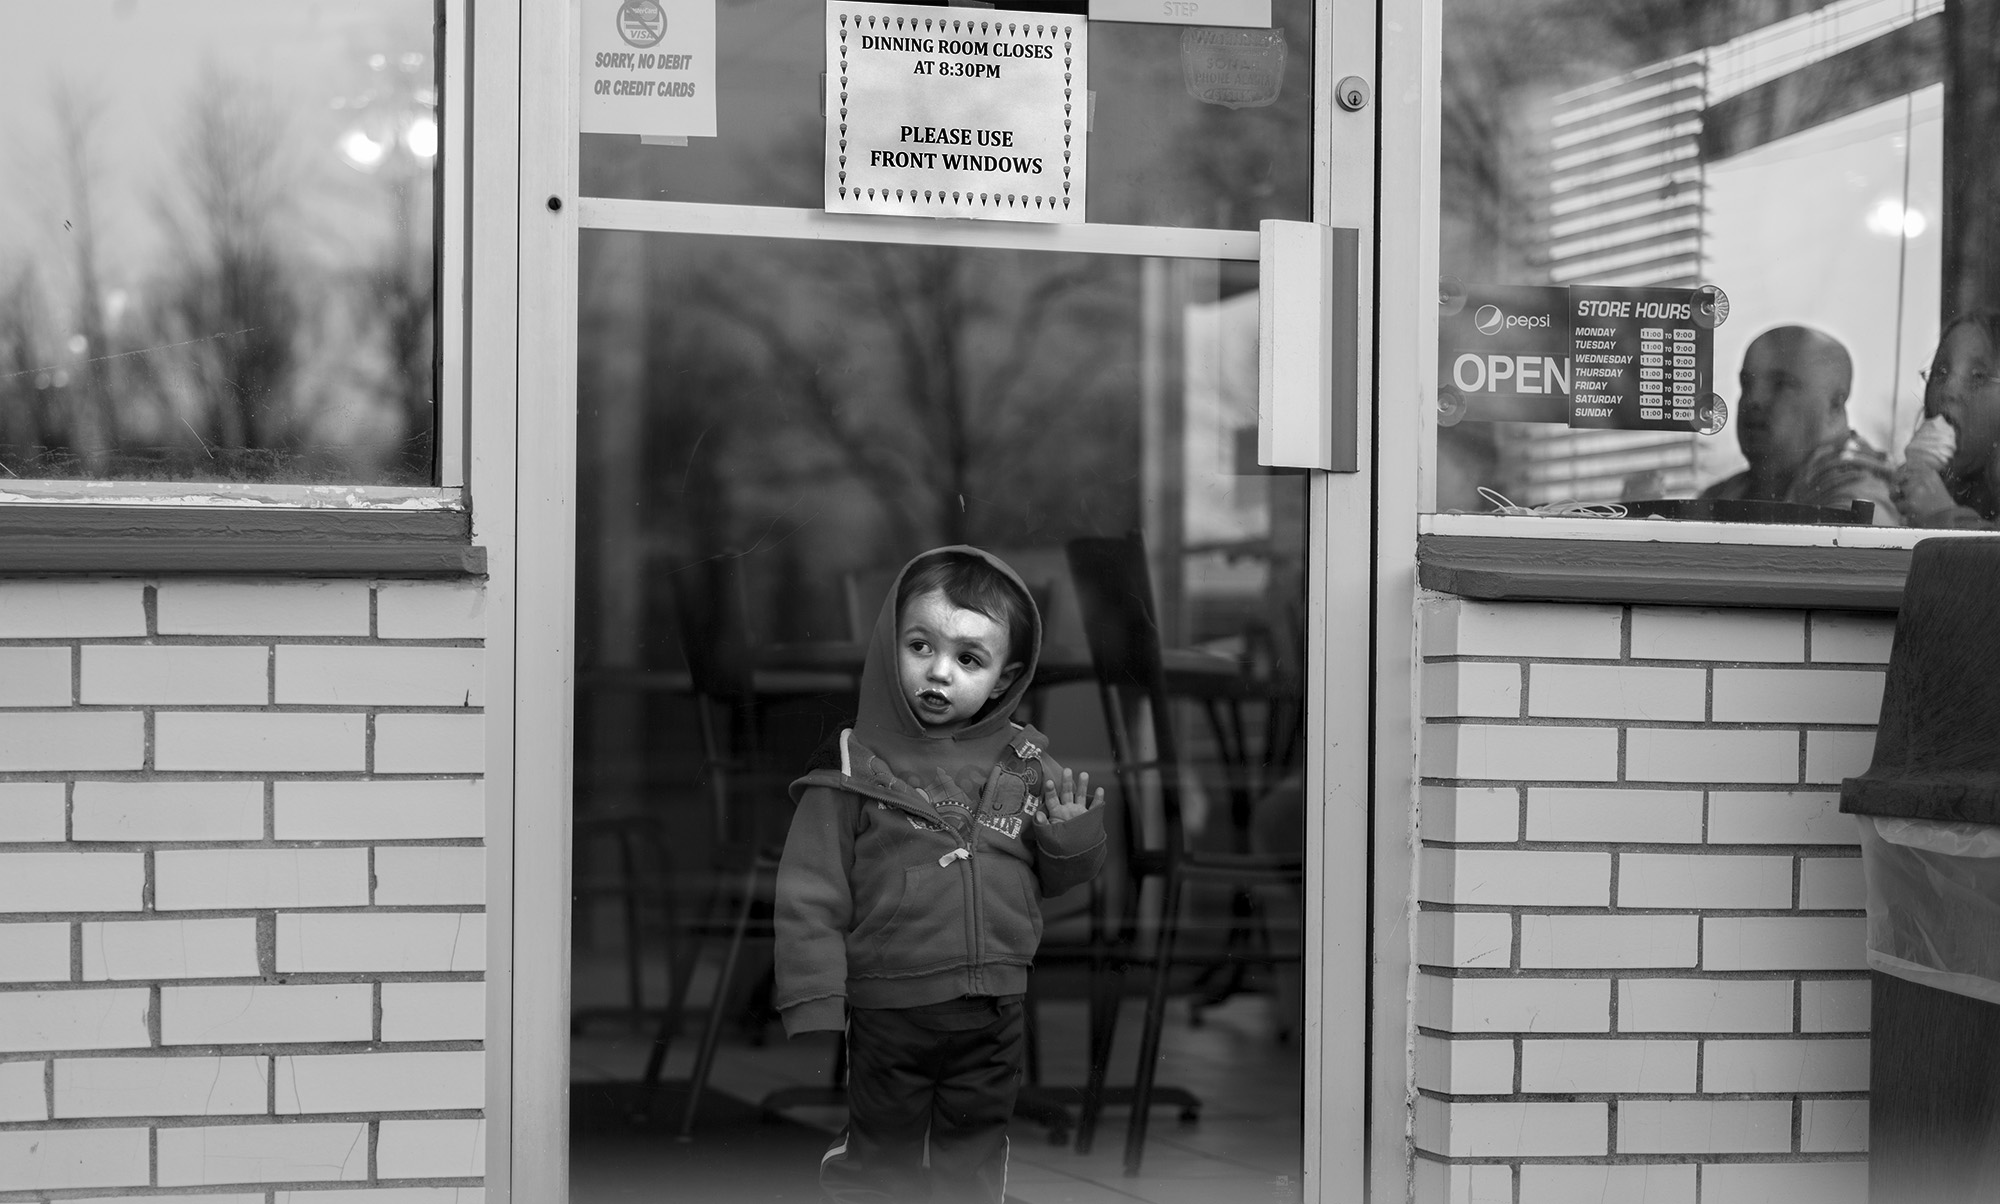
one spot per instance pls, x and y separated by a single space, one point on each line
929 1092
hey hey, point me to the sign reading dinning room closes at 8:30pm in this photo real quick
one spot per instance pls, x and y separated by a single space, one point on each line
955 112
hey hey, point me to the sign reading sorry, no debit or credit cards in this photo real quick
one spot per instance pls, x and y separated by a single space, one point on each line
649 67
952 112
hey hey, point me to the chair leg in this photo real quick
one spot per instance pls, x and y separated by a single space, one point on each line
711 1029
682 958
1031 1033
1149 1039
635 982
1106 989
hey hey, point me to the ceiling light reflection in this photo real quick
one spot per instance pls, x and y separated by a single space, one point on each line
1889 218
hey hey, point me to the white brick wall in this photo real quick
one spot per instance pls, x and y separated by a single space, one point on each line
410 611
23 1091
39 1021
382 810
151 1086
1667 1183
1617 692
185 879
200 1156
1608 1067
193 813
53 741
32 812
34 952
71 881
391 942
54 1159
433 1011
1639 934
171 948
343 675
431 1149
71 610
260 741
1781 1182
381 1082
429 743
184 674
167 811
1704 1126
35 677
263 608
266 1013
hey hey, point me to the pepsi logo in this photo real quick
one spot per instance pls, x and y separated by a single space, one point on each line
1489 320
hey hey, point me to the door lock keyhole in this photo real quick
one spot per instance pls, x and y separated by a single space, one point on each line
1352 93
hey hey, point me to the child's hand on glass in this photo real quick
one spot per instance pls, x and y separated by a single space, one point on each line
1069 802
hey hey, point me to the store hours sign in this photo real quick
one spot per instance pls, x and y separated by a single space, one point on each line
1603 356
952 112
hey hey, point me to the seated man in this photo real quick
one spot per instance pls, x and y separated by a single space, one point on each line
1791 423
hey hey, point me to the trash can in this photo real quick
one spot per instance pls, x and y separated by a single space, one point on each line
1928 811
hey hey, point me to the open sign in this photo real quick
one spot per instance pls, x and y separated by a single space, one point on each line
1472 373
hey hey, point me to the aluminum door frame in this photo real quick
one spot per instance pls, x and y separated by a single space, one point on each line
1359 651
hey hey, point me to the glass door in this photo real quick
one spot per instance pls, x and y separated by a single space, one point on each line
787 424
776 408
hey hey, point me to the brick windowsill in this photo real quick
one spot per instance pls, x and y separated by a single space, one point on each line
246 540
1671 574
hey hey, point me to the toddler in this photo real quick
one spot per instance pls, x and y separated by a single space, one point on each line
906 898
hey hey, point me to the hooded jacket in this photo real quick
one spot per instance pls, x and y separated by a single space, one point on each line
911 870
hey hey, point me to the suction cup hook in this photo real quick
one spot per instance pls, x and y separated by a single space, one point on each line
1713 413
1711 307
1451 295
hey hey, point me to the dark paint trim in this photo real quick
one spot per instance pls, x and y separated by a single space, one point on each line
1662 574
231 541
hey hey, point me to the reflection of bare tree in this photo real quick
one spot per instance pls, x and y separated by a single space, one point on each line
91 421
22 421
941 378
401 297
230 293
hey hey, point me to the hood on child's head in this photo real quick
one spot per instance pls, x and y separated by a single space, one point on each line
887 724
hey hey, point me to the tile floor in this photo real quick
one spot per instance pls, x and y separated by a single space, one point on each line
1244 1149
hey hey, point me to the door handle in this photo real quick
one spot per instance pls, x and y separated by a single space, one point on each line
1308 323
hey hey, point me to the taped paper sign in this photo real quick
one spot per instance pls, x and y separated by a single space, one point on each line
649 68
951 112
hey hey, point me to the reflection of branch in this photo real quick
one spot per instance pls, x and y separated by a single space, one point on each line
1041 301
881 474
76 120
105 359
925 318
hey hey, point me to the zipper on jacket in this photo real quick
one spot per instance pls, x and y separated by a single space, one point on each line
977 968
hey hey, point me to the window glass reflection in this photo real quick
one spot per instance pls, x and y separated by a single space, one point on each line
216 240
1167 146
769 429
1822 165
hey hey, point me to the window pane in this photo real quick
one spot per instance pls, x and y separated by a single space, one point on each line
216 240
1159 153
1824 165
767 430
